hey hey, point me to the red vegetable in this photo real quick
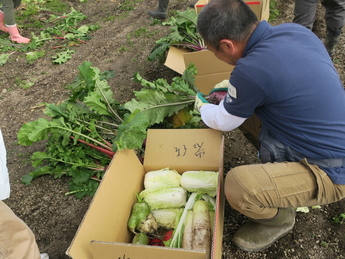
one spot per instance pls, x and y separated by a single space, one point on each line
216 97
168 235
156 242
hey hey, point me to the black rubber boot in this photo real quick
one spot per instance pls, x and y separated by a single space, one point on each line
256 235
332 37
161 11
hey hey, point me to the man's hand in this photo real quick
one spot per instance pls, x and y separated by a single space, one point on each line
199 101
222 86
219 92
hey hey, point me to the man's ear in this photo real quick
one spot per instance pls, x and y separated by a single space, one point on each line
228 46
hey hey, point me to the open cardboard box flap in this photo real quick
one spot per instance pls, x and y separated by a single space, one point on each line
207 82
205 61
103 233
210 70
260 8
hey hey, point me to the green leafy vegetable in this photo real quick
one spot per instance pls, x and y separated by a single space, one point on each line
156 104
183 33
79 140
163 178
62 57
84 131
34 55
202 182
167 218
164 198
4 58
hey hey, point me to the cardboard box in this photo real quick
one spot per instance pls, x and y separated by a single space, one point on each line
210 70
261 8
103 233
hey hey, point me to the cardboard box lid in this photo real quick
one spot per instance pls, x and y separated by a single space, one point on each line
175 59
205 61
199 150
260 7
210 70
206 83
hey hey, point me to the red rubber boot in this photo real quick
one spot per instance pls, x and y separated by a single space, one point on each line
2 22
15 36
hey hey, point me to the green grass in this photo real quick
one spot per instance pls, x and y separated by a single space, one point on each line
127 5
139 32
123 49
25 158
57 6
274 13
32 8
110 18
22 83
324 244
339 219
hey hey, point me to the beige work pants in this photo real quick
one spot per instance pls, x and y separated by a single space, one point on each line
16 239
258 190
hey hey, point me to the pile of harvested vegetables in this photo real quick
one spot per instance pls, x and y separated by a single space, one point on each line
176 210
84 132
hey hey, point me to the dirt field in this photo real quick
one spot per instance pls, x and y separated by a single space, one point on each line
54 217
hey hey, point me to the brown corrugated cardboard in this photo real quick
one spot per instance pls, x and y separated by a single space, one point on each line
260 8
210 70
205 83
103 233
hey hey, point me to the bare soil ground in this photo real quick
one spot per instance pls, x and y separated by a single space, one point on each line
54 217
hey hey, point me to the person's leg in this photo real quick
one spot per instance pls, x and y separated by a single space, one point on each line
16 3
267 194
8 7
335 20
161 11
16 238
335 13
304 12
2 22
8 10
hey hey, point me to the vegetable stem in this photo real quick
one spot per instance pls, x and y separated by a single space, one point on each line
169 104
108 152
109 106
85 136
176 241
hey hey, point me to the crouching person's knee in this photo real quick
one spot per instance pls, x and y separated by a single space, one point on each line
234 190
